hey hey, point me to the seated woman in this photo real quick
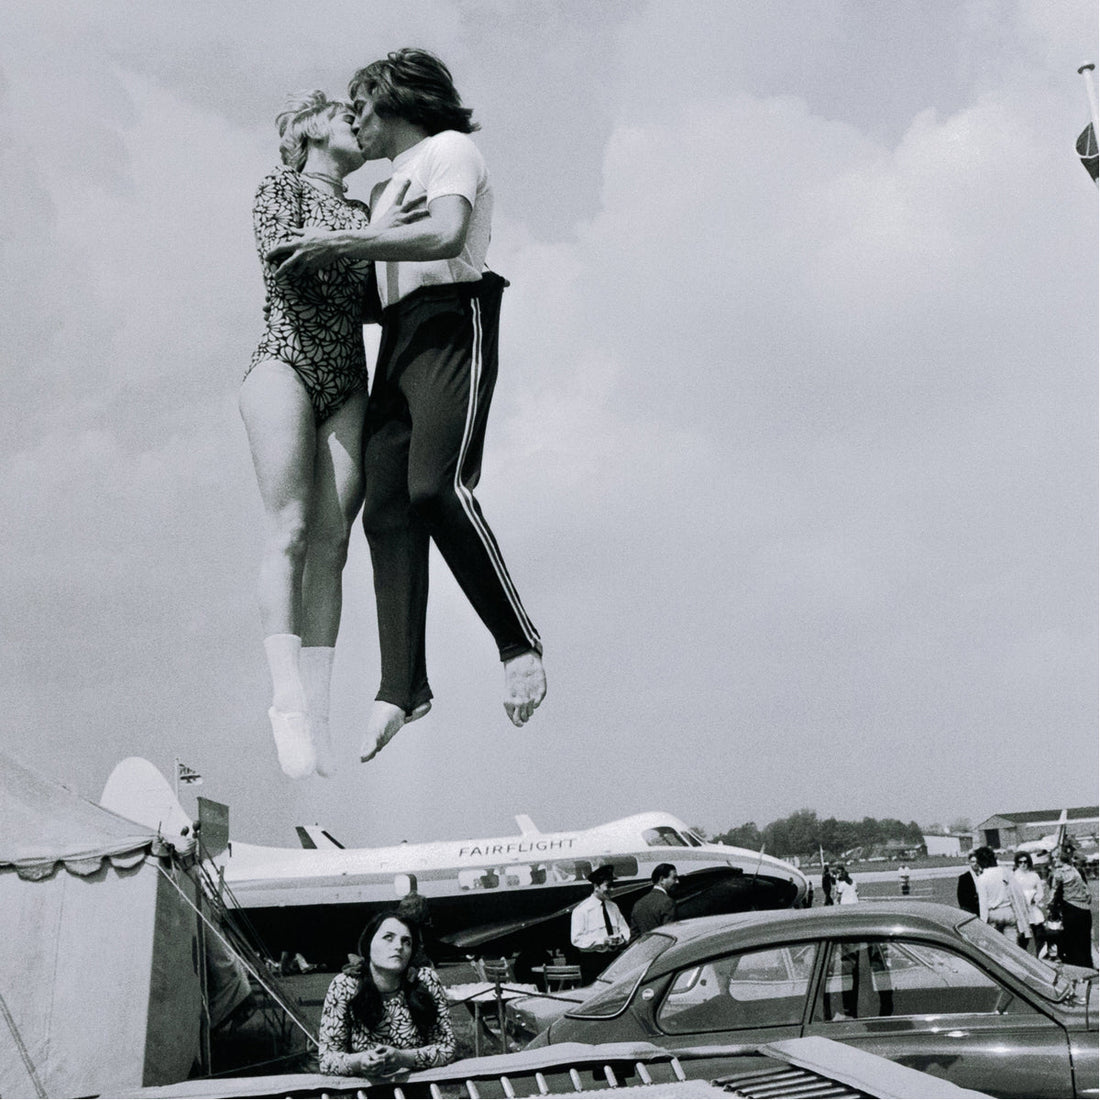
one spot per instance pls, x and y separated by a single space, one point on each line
382 1015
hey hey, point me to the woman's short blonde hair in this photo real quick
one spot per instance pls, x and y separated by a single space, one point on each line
305 117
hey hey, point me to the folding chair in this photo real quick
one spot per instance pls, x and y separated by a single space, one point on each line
558 977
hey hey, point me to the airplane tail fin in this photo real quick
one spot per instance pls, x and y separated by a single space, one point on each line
313 836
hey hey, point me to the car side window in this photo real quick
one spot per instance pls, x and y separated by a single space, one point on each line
875 979
764 988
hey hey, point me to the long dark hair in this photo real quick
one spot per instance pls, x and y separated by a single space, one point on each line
416 86
367 1004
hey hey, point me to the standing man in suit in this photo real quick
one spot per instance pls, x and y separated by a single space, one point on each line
657 907
967 890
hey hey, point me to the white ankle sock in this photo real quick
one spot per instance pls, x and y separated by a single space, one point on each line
283 652
316 664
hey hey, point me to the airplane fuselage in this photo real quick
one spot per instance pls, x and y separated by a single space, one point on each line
502 894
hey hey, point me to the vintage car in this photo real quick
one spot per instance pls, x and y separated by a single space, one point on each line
928 986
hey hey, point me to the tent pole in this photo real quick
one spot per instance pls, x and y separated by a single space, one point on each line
1090 88
204 985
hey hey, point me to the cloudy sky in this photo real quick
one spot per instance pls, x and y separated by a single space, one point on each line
793 453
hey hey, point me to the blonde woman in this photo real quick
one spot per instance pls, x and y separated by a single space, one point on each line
303 401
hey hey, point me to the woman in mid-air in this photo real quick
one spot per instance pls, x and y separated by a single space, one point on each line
382 1014
303 402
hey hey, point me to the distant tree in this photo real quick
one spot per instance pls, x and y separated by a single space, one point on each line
870 832
796 834
962 825
744 836
802 833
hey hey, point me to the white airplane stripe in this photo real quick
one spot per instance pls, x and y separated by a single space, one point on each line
466 496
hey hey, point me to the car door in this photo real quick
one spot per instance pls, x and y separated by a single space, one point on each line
932 1009
756 995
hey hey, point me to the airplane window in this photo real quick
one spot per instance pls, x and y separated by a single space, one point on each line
625 866
694 839
517 876
561 872
478 878
664 836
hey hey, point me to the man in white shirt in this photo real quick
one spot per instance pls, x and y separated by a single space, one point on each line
597 927
433 383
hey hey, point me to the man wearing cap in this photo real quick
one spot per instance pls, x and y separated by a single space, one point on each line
598 927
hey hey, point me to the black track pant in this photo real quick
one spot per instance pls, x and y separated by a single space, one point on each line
437 366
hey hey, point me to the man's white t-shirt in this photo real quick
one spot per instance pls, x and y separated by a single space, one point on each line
447 163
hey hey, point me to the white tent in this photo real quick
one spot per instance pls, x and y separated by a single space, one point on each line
99 952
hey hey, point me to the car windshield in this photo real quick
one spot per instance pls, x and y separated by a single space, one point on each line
616 985
1039 976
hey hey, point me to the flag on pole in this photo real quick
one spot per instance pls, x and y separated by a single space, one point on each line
1086 142
1087 151
184 774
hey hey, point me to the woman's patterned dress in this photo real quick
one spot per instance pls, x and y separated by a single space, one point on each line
315 322
343 1035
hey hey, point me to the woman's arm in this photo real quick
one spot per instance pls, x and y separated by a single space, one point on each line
441 1047
334 1038
277 211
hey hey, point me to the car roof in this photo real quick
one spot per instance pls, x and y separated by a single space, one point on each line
703 936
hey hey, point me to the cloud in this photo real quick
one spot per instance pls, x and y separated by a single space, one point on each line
792 452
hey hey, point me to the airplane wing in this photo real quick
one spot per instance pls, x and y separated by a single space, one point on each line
480 935
487 933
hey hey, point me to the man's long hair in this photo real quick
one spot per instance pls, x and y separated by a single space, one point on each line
416 86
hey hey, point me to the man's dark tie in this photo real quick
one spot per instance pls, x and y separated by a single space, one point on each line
607 920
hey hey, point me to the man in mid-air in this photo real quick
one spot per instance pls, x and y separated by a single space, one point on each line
436 369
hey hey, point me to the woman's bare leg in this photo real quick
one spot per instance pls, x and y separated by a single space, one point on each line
336 497
278 418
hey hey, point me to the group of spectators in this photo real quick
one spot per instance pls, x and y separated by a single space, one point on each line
1043 902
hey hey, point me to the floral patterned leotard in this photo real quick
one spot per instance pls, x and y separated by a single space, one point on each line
342 1034
314 322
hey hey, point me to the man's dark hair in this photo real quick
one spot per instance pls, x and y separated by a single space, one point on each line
416 86
985 856
662 870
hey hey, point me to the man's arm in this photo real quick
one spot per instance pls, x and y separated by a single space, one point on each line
439 233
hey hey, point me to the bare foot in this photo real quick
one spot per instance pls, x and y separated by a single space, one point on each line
524 686
384 722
